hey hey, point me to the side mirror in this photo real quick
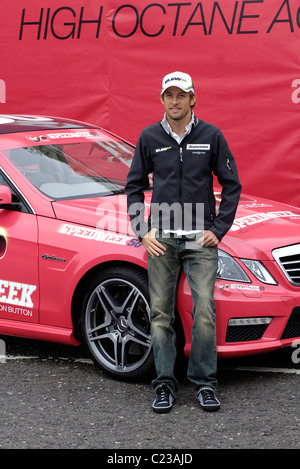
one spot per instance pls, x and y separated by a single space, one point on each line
5 196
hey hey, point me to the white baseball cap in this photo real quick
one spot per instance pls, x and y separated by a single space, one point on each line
178 79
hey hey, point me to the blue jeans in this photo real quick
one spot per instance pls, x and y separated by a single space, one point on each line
200 266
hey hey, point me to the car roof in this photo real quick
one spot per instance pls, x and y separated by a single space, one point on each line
26 123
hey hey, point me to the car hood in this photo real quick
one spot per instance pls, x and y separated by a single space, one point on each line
260 225
109 213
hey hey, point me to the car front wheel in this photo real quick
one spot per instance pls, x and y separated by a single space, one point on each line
116 322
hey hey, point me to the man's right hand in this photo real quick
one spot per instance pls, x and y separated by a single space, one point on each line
153 246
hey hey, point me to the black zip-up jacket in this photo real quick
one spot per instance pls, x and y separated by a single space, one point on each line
183 174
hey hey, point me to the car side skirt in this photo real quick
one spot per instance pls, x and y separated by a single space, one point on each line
37 332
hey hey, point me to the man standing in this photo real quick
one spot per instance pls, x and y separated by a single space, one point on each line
183 230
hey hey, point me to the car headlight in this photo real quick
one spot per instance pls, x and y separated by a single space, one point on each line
259 271
229 269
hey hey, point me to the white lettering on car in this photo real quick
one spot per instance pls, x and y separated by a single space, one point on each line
96 235
15 293
243 222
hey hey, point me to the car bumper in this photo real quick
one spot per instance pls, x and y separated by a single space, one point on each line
248 320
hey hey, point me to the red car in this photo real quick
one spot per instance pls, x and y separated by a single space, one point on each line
72 271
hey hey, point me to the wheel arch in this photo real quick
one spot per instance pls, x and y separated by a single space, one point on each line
80 288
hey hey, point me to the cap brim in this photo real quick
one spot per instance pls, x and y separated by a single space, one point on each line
186 90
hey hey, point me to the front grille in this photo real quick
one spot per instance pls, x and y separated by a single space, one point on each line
288 259
245 333
292 328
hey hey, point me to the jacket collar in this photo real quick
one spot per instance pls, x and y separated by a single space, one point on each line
167 128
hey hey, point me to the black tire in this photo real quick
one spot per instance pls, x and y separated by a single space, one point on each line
115 323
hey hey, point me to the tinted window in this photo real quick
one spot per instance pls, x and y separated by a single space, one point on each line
75 170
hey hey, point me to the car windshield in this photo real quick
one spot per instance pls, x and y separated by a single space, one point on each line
75 170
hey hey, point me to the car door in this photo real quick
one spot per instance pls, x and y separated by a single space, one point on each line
19 291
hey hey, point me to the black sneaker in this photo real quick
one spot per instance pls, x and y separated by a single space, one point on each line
208 400
163 401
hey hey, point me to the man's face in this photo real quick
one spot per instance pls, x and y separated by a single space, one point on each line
177 103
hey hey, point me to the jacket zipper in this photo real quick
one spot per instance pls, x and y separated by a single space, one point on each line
180 175
210 205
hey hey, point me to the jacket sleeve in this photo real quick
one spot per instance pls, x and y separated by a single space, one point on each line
224 167
137 183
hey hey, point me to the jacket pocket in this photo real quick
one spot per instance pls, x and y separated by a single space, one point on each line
229 158
210 212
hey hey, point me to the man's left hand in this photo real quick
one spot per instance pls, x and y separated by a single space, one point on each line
208 239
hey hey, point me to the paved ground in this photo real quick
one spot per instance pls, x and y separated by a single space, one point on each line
57 400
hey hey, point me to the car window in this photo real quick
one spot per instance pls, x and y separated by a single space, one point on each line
19 204
74 170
